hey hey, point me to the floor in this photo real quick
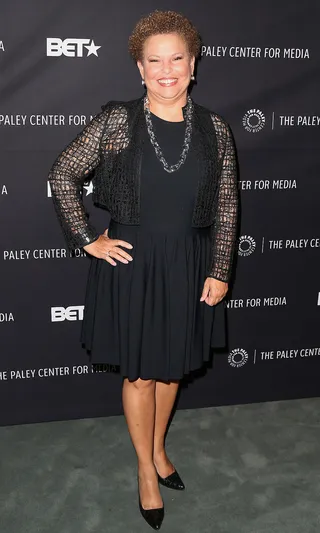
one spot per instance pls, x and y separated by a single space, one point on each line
251 468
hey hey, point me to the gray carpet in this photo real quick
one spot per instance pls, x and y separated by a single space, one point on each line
247 469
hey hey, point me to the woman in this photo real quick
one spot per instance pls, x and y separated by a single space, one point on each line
164 167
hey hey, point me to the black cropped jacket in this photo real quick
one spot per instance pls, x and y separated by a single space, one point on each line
109 149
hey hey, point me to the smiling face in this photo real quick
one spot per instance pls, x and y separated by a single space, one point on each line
166 66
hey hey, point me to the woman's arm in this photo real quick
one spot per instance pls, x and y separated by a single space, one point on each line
67 175
223 231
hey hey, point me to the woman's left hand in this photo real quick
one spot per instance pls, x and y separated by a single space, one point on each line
214 291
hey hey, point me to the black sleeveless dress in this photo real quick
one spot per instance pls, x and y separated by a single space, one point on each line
146 316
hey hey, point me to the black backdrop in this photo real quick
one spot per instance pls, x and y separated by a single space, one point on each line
260 70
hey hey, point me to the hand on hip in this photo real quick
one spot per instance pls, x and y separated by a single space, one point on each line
109 249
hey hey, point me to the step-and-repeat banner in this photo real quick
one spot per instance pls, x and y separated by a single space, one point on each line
259 69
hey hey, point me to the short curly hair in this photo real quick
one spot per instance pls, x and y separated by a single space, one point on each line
161 22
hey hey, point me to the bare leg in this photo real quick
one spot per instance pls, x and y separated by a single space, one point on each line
138 399
165 396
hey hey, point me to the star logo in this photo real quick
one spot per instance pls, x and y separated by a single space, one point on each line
92 48
89 188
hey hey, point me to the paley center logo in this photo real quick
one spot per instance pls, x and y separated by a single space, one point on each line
246 245
57 47
254 121
238 357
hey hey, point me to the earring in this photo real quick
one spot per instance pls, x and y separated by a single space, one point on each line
192 77
142 81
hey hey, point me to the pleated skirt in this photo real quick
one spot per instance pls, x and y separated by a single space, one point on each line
146 316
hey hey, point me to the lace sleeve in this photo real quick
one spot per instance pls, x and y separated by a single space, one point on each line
223 230
69 171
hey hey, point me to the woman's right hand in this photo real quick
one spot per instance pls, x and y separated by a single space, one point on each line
106 248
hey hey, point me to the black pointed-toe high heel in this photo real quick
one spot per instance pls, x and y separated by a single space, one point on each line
153 517
173 481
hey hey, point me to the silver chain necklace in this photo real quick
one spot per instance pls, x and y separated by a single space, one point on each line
187 135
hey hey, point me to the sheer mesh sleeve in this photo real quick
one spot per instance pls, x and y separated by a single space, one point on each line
224 228
66 177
